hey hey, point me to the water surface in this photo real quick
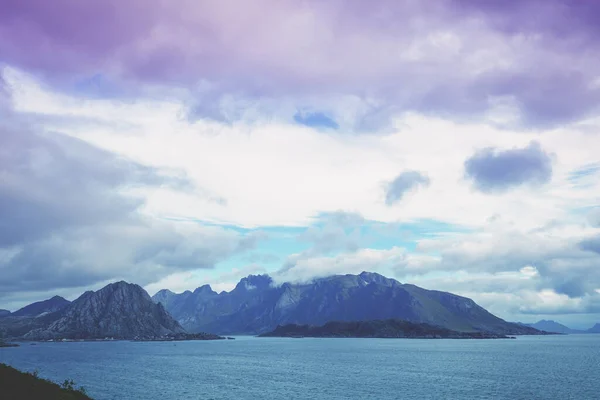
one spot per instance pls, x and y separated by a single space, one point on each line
534 367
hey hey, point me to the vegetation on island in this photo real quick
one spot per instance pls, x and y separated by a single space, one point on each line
175 337
15 384
7 344
389 328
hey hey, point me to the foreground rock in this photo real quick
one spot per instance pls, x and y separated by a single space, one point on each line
119 311
390 328
257 305
15 384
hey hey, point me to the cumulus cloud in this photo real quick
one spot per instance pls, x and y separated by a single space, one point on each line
69 217
303 269
494 170
404 183
560 260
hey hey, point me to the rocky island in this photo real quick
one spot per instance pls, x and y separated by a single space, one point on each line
389 328
178 337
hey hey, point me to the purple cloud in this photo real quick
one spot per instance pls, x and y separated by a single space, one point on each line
444 57
494 170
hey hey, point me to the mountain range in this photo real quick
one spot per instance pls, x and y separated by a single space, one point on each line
256 305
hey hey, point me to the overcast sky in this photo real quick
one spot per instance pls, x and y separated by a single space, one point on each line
452 144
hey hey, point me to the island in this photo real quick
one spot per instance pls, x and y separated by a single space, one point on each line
181 336
7 344
389 328
15 384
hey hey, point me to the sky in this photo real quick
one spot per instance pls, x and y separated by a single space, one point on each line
451 144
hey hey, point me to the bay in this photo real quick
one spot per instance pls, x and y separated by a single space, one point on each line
531 367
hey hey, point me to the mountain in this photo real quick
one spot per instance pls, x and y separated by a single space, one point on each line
257 305
120 310
54 304
387 329
4 313
594 329
553 327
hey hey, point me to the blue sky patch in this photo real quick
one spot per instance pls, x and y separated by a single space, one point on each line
315 120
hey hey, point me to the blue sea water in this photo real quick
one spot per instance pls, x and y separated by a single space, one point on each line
535 367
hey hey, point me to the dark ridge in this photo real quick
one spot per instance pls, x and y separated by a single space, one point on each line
385 329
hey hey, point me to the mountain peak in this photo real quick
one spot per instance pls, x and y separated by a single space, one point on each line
252 282
120 310
204 289
53 304
120 284
374 277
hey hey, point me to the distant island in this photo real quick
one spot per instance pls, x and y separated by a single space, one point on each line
386 329
5 344
178 337
555 327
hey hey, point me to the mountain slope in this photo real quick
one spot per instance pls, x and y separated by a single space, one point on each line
257 306
54 304
119 310
4 313
594 329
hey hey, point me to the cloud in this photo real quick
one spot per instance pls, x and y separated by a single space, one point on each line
303 269
70 216
397 56
594 217
493 170
591 244
52 182
189 280
402 184
556 253
261 258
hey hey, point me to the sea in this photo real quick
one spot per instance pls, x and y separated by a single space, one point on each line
528 367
